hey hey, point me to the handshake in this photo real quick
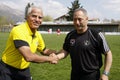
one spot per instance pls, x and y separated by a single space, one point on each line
53 58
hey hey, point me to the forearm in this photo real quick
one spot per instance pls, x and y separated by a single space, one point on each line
33 57
39 58
108 62
107 66
62 54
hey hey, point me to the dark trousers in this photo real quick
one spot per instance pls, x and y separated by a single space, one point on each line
9 73
90 76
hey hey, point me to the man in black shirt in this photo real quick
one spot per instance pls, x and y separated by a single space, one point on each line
86 47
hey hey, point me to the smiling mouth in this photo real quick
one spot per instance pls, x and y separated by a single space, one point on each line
36 24
80 27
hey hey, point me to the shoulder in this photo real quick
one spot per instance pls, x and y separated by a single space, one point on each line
19 30
97 33
71 33
19 27
94 31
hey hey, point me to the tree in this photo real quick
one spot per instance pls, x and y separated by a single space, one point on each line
47 18
4 21
113 21
106 20
75 5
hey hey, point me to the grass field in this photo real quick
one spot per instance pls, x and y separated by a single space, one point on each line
61 71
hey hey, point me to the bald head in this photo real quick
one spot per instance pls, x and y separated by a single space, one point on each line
82 10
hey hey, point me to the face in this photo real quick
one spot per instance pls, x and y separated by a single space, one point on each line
80 21
34 18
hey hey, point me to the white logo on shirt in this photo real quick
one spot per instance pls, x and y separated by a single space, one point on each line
86 42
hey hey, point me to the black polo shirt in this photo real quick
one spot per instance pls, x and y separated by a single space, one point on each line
85 50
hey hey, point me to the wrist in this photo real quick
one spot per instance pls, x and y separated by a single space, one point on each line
106 73
58 57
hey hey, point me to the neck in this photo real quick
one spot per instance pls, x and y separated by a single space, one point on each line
33 30
82 30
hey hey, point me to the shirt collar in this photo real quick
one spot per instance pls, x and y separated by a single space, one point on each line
29 30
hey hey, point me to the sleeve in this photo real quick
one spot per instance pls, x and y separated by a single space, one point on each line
19 38
41 45
104 45
66 45
19 43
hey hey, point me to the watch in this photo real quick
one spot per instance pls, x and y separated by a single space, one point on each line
106 73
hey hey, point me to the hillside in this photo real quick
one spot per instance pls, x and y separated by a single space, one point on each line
11 14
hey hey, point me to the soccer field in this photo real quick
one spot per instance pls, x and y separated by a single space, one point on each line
61 71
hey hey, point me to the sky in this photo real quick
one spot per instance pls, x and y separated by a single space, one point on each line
102 9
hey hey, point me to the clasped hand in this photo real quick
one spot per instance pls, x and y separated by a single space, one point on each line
55 60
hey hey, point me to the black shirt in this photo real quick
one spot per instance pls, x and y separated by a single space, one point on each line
85 50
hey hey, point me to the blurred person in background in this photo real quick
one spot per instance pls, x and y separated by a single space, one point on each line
58 32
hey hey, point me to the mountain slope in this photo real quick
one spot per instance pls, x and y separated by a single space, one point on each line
11 14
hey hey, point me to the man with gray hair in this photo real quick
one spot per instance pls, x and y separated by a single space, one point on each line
24 40
86 46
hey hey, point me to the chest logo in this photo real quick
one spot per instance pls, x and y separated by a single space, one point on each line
72 42
86 42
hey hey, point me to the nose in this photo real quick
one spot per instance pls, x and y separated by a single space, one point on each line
37 18
78 22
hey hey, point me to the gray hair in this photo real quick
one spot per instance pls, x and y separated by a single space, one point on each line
29 7
81 9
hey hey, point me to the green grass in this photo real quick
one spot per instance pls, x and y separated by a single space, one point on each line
61 71
3 39
114 42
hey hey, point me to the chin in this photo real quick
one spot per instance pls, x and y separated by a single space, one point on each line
36 27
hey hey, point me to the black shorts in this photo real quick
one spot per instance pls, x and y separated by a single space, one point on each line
9 73
90 76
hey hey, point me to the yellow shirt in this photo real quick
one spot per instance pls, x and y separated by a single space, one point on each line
11 55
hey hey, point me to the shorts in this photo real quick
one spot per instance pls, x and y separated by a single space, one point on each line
90 76
10 73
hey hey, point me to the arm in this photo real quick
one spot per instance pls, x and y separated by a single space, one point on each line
62 54
48 51
32 57
107 65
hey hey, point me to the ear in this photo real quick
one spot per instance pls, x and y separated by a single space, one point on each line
86 18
